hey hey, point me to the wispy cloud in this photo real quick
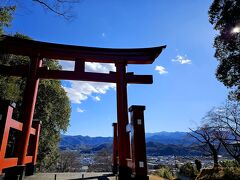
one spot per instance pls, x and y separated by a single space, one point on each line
161 70
99 67
80 110
96 98
67 65
79 91
182 59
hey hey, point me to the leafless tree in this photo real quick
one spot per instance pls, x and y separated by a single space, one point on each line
59 7
207 141
68 161
227 120
102 161
64 8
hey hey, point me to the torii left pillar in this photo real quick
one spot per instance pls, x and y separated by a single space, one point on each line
28 107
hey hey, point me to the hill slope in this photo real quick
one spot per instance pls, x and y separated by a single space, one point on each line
161 143
74 142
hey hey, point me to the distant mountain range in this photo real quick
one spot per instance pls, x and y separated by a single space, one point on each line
74 142
176 138
160 143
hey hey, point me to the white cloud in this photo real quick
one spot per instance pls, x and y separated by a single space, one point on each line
79 91
67 65
99 67
182 59
80 110
96 98
89 66
161 69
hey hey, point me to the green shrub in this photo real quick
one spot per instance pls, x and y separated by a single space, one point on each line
229 163
232 173
227 173
164 172
211 174
188 170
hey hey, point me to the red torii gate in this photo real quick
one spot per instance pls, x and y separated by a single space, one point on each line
36 51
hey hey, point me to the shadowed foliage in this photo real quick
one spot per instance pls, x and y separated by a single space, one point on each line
225 17
52 107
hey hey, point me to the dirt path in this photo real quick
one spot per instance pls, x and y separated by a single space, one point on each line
77 176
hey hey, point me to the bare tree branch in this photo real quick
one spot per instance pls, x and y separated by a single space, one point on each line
49 7
206 137
60 7
226 120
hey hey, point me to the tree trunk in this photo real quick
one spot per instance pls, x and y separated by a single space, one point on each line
238 159
215 158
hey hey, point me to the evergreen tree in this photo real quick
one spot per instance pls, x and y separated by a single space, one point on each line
224 15
52 107
6 14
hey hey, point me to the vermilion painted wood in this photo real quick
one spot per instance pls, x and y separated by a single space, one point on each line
37 50
122 117
33 143
138 144
115 148
6 128
37 126
129 163
9 123
28 159
9 162
29 102
33 131
139 79
15 124
71 75
43 73
19 46
79 65
91 76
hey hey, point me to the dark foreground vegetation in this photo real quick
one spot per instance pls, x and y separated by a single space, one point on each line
228 170
52 107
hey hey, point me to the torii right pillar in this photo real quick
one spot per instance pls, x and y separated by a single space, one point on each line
122 122
138 143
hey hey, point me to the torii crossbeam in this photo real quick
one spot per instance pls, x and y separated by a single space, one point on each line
38 50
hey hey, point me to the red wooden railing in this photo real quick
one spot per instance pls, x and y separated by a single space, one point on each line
7 123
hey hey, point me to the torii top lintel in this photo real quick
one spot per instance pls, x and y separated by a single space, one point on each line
25 47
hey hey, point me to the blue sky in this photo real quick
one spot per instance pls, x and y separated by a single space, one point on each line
184 87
